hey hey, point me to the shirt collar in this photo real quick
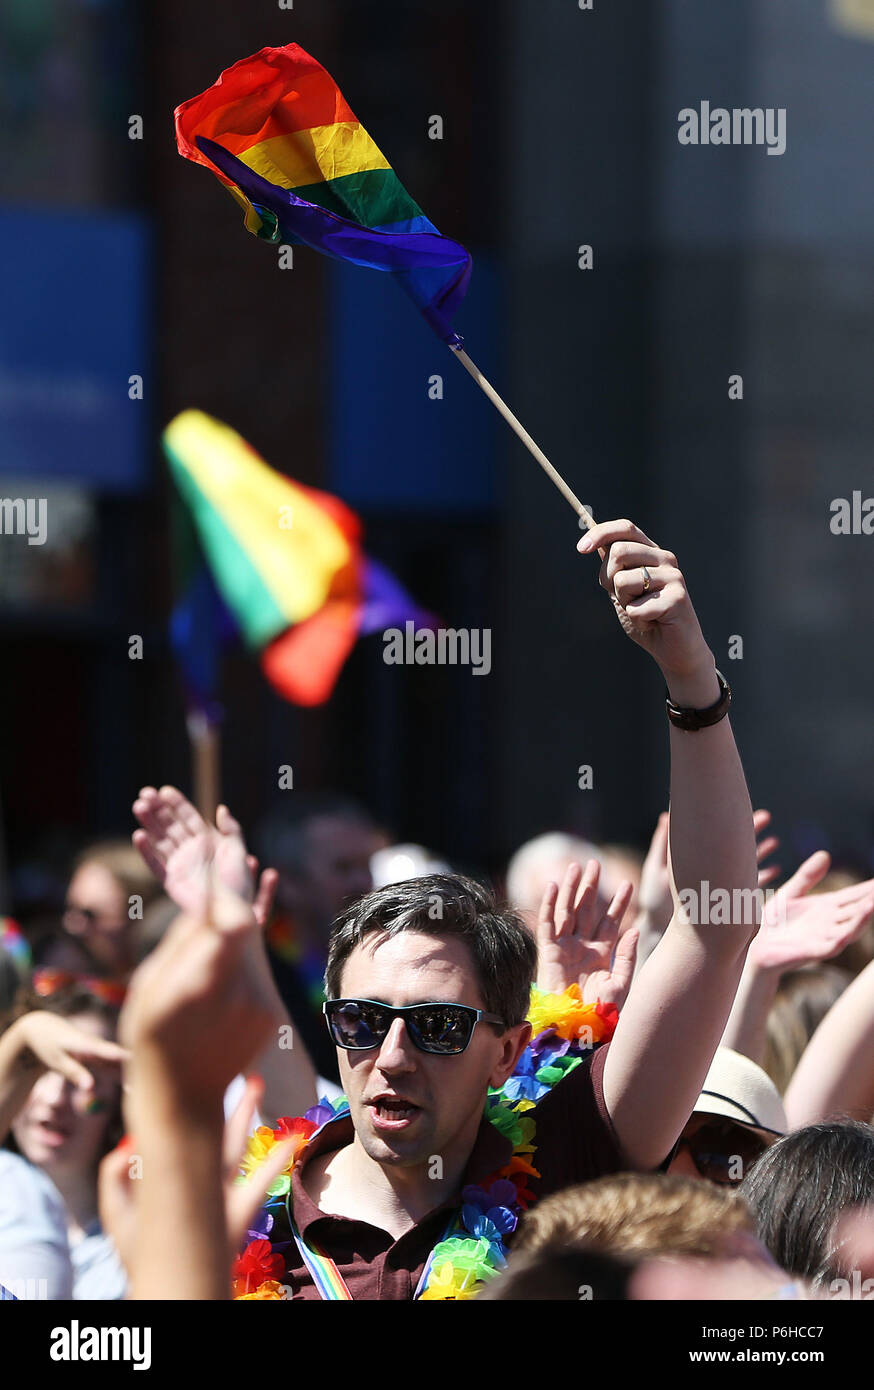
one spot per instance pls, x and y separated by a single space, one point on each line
491 1150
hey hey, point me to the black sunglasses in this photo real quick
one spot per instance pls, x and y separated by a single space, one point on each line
715 1148
358 1025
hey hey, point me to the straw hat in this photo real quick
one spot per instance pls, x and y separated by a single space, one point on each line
740 1090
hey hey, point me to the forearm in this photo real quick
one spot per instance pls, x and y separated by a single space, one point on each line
180 1191
678 1008
667 1035
747 1028
836 1073
712 840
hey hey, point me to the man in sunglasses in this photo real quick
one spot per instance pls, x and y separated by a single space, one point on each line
427 1006
428 986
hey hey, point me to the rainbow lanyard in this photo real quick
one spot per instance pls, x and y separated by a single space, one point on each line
327 1277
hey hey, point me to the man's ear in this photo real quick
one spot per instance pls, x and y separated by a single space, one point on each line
515 1041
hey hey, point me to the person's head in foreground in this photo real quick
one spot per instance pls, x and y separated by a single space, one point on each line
802 1186
737 1116
558 1273
439 949
643 1215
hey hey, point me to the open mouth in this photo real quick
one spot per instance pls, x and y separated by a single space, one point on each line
52 1134
392 1112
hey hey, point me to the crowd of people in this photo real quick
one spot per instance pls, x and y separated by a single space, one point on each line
354 1073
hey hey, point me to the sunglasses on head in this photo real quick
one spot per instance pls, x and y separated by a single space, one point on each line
47 980
715 1148
358 1025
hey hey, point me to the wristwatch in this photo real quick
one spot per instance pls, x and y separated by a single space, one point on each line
693 719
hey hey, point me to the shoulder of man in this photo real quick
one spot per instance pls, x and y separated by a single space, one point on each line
574 1139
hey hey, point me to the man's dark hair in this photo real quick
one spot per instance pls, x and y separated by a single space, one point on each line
802 1184
502 948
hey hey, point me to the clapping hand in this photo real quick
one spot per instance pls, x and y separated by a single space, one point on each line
179 846
798 929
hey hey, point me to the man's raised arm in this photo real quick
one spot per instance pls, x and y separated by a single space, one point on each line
673 1019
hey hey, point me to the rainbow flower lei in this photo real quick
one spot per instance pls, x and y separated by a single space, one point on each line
564 1029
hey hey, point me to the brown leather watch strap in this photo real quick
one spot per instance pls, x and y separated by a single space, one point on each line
693 719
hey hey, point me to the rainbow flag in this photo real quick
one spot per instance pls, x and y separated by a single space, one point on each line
273 561
279 134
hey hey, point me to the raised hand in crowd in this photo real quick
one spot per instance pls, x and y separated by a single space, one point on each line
178 845
799 927
195 1017
675 1014
182 850
578 945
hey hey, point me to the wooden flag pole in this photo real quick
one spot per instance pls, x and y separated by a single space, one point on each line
582 512
205 753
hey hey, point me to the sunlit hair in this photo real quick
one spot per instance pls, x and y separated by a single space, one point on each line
803 999
638 1214
126 865
502 949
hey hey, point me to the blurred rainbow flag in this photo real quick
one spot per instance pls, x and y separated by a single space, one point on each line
13 942
279 134
271 560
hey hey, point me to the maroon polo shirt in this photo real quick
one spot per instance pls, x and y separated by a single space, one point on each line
575 1142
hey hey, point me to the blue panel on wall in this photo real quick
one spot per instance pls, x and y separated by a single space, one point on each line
73 329
391 444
